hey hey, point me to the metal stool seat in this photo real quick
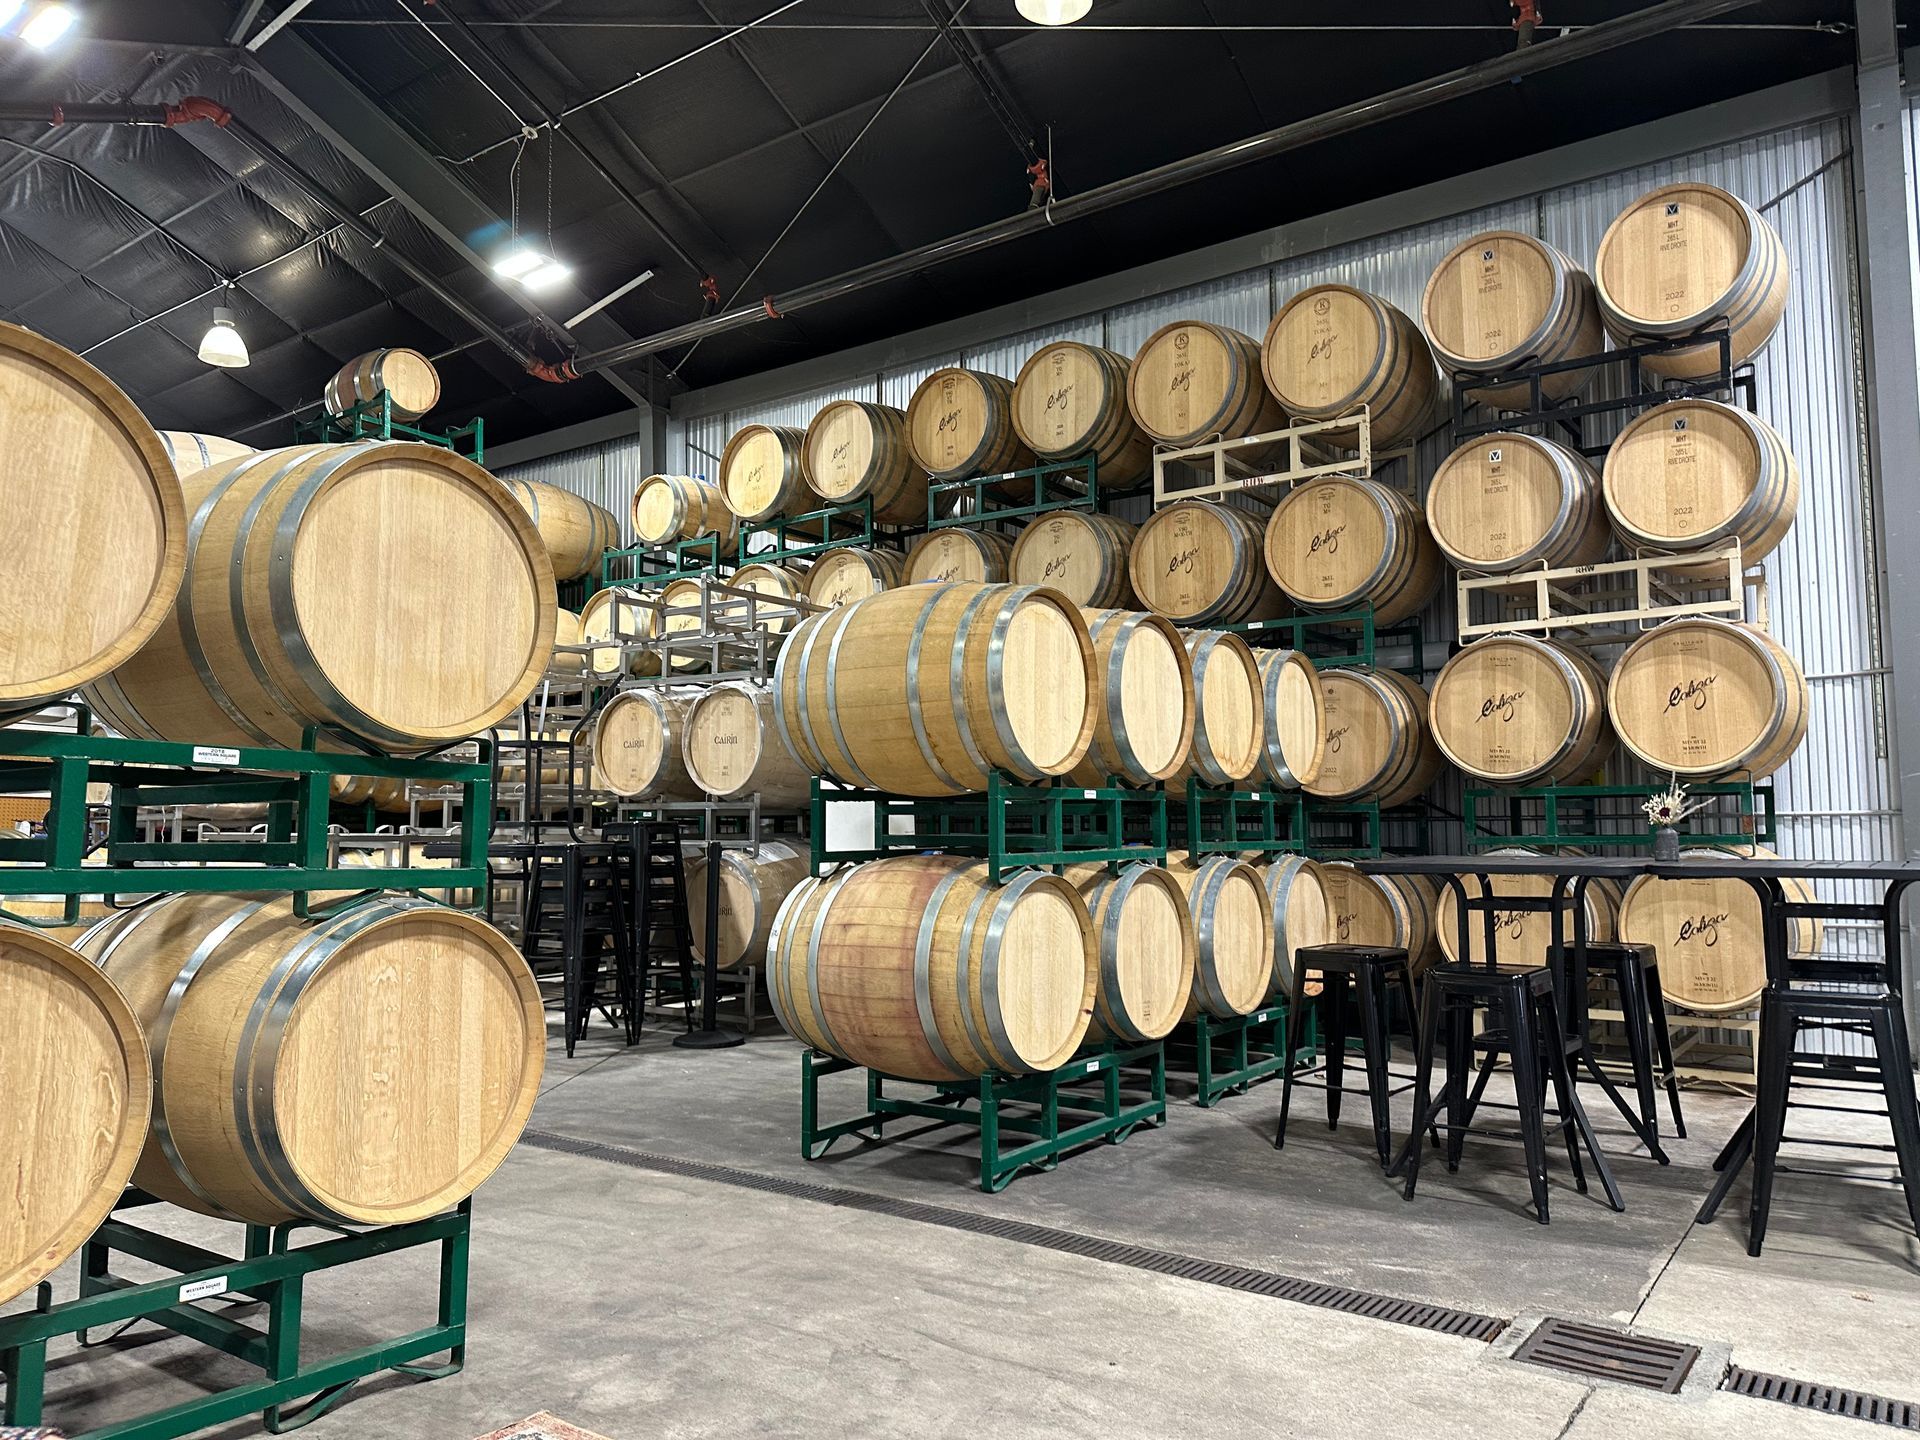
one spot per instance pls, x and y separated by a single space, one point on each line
1371 969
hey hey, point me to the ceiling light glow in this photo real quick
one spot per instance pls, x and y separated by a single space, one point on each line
223 345
9 9
1053 12
518 264
549 274
49 23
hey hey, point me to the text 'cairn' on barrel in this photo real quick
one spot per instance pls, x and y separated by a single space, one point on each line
1233 928
1506 501
309 601
1080 554
96 519
1505 301
734 747
960 424
668 508
1516 710
1379 746
917 967
407 376
1144 701
1147 948
753 885
74 1067
1333 349
1070 400
1697 699
378 1080
1193 383
1338 543
1198 563
1695 474
1522 939
1684 257
639 746
1229 711
920 690
855 449
575 531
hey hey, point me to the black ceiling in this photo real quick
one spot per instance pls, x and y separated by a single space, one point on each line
720 150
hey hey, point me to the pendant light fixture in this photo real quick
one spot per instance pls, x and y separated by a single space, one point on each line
223 345
1053 12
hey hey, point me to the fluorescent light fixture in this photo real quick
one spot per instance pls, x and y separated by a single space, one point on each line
549 274
520 263
223 345
49 23
1053 12
9 9
610 297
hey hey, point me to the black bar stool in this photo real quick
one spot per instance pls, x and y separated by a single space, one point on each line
1635 972
1371 969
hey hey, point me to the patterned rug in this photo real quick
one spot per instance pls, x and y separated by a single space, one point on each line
541 1427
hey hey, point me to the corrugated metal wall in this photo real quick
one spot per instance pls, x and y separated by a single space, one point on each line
606 474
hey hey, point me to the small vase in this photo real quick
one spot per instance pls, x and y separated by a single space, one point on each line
1666 844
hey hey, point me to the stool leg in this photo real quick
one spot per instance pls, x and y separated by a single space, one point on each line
1459 1033
1770 1111
1369 993
1561 1074
1424 1110
1896 1071
1334 1012
1663 1044
1633 1007
1731 1160
1296 1028
1523 1047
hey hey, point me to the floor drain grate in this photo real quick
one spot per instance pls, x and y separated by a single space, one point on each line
1600 1354
1827 1399
1462 1323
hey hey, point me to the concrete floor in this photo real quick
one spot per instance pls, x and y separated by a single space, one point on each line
639 1304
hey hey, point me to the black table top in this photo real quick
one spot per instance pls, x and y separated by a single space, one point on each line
1704 863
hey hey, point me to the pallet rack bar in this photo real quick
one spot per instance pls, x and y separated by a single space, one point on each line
978 511
1743 814
817 530
1229 822
373 420
1230 1057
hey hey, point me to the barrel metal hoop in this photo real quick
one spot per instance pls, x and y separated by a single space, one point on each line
1006 898
923 973
963 967
833 705
956 682
778 967
915 710
795 652
813 964
1126 760
1278 770
1281 875
996 682
1113 890
1206 892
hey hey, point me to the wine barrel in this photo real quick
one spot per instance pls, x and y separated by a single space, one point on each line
734 750
639 746
1695 474
1709 935
960 423
314 1070
680 614
920 690
919 968
953 553
576 531
1147 948
96 524
406 375
1198 563
669 508
1697 699
753 885
1082 555
1522 938
1505 301
1193 383
74 1066
1379 746
1682 257
389 795
777 582
851 572
599 618
1233 931
1295 745
1144 706
1391 910
1070 400
567 630
190 451
1337 543
395 591
762 474
1302 913
1332 349
1229 711
855 449
1504 502
1516 710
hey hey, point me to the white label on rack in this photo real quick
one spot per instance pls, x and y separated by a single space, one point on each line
215 755
201 1289
1088 794
1092 1065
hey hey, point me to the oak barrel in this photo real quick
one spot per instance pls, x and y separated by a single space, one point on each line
1505 301
371 790
1516 710
1070 400
371 1068
1379 746
639 750
1144 704
1295 744
1337 543
1695 474
960 423
1229 711
954 553
1193 383
1391 910
1709 934
96 524
681 609
610 616
190 451
1197 563
576 531
1506 501
919 968
1685 256
670 508
392 590
762 473
1147 948
1522 938
753 885
1697 699
856 449
74 1067
407 375
1302 912
567 630
776 582
920 690
1332 349
1080 554
734 750
852 572
1233 930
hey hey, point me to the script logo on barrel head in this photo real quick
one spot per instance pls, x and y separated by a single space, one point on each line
1704 928
1501 705
1327 540
1334 737
1514 922
1181 562
1058 397
1055 566
1343 925
1694 690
